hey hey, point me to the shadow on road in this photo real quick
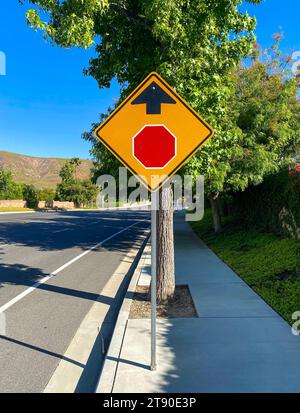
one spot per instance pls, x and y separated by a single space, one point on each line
63 230
41 350
36 234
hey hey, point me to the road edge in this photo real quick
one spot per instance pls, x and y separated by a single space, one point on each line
86 347
110 365
16 212
134 206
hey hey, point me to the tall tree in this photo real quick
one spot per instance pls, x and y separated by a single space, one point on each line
75 162
67 172
260 126
192 43
82 193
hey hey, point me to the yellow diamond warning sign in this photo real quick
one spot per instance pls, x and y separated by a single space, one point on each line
153 132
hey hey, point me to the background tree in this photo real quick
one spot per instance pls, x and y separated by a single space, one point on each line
266 103
46 194
82 193
31 196
67 172
75 162
9 189
260 127
193 44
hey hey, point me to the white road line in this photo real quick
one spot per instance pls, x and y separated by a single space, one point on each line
67 264
89 223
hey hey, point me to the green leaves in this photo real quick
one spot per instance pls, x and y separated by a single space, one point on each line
197 45
81 192
69 22
67 172
9 189
31 196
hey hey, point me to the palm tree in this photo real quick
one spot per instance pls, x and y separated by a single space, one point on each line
76 162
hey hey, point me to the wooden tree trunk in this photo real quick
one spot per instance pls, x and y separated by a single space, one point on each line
213 199
165 246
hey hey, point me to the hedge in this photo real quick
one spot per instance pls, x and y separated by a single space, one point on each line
261 206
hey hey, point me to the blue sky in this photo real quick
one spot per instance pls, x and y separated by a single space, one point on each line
45 100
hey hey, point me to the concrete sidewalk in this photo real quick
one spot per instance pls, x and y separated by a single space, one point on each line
238 343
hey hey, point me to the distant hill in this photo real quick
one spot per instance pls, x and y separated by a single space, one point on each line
41 172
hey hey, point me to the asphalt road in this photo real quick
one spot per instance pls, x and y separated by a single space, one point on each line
42 320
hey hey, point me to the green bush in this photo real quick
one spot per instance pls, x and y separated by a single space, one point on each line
259 206
8 188
82 193
30 195
46 194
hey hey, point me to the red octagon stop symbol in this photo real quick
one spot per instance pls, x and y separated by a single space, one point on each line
154 146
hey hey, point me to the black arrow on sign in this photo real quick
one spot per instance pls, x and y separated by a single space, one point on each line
153 96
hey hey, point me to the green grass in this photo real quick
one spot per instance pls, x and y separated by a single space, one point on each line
15 209
269 264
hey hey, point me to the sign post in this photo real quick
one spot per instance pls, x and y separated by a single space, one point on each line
153 132
154 203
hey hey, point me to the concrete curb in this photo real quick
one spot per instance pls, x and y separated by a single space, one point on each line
110 365
87 346
16 212
127 206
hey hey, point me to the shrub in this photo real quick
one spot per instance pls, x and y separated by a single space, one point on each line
8 188
46 194
82 193
261 206
30 195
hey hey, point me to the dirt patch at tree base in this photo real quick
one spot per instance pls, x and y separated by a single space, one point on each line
180 306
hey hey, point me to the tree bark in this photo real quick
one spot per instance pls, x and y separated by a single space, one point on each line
165 246
213 199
